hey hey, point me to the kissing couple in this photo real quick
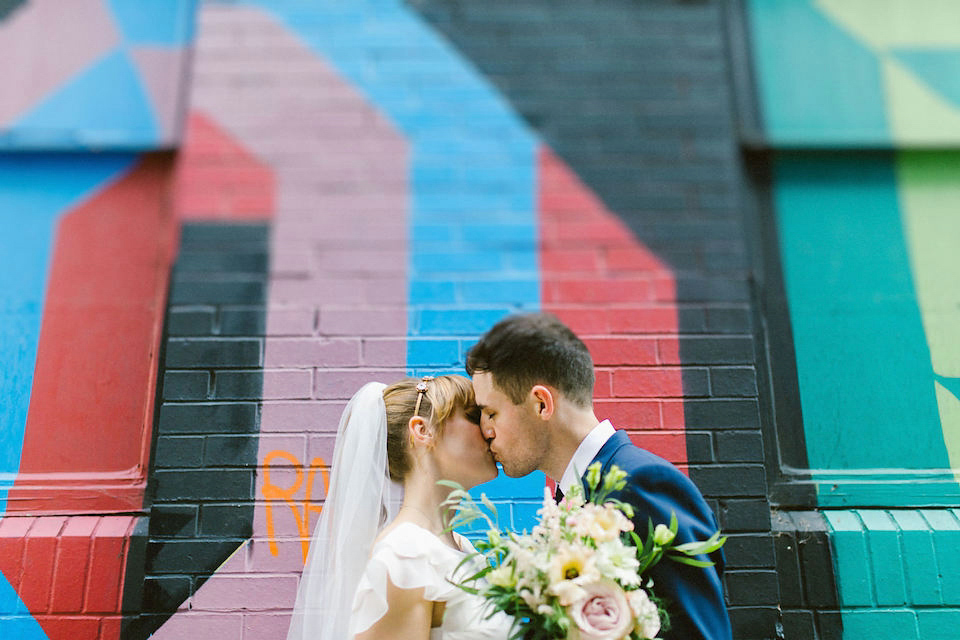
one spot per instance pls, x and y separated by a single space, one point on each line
382 567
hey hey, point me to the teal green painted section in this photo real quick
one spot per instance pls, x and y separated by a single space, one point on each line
896 572
919 559
883 545
942 624
946 542
854 582
950 384
863 364
875 624
816 84
939 69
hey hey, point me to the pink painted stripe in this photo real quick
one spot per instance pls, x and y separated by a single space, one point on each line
43 46
337 295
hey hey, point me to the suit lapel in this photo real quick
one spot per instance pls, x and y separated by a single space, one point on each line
605 456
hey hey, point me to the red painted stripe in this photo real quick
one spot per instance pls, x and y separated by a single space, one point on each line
599 279
68 571
217 178
87 441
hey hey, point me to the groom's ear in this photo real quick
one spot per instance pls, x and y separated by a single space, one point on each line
544 403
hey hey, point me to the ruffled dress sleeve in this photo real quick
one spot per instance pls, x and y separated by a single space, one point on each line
411 558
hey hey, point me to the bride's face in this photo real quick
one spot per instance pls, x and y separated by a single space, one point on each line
462 454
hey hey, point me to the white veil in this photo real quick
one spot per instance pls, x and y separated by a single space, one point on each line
360 501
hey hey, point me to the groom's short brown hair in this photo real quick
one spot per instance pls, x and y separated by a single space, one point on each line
527 349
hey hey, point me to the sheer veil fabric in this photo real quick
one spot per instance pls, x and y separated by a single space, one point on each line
361 499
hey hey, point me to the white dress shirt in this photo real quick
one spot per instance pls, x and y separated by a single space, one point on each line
584 455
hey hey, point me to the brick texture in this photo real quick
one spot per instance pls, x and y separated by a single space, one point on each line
659 152
69 571
202 485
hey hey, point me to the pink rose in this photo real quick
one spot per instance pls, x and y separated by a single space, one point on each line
603 612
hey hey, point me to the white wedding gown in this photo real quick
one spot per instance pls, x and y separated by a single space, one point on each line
413 557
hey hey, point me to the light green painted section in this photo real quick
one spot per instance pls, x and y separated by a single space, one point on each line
918 115
885 24
857 72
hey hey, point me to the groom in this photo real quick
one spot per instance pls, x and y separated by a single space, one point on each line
533 379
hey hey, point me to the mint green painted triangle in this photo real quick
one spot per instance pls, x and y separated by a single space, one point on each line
950 384
937 68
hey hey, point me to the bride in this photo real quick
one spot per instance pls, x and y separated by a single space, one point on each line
378 571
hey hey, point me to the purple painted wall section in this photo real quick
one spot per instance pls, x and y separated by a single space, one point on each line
336 304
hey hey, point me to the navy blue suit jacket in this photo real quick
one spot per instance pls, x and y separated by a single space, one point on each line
655 488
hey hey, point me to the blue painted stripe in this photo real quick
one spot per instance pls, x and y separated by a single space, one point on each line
34 191
15 618
472 175
155 22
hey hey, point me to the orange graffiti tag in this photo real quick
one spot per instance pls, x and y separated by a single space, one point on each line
301 509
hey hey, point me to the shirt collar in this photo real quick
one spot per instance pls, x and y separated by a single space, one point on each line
584 455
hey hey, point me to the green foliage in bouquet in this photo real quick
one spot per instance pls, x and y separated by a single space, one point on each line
582 572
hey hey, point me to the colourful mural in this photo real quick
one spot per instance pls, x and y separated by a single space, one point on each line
95 74
866 237
880 74
357 194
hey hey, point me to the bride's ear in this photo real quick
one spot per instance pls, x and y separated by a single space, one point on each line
420 432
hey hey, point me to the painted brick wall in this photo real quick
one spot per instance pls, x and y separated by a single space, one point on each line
206 438
635 98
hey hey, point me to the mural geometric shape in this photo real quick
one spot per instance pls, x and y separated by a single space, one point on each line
930 196
34 191
918 114
92 391
217 177
155 22
863 360
939 69
107 101
43 44
16 618
164 75
884 24
831 93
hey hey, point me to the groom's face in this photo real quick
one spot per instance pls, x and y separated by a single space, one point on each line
517 438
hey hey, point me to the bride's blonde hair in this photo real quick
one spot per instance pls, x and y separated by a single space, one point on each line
443 397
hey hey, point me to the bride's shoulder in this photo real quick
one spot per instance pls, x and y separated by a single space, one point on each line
399 530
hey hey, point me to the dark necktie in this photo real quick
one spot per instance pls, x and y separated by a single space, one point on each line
558 496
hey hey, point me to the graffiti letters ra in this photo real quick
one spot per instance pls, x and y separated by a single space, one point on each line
303 508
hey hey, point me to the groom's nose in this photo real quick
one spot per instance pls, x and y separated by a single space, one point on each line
486 429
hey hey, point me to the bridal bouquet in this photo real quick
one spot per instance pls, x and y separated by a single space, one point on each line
581 572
